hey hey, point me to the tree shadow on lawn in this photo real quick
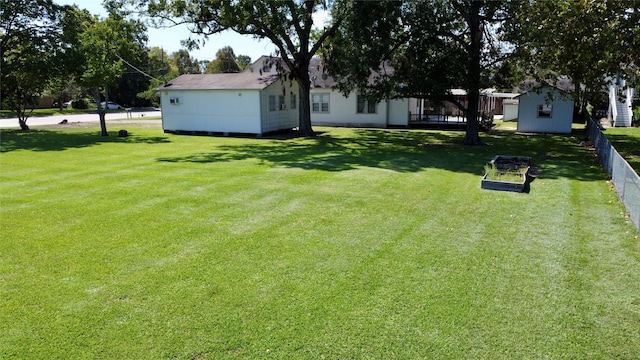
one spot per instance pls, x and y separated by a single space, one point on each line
47 140
628 146
407 151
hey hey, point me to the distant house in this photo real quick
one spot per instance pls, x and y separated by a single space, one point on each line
620 103
545 109
248 103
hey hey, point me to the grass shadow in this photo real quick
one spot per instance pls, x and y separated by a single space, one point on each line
628 146
46 140
408 151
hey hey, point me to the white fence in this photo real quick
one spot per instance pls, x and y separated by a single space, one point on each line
624 178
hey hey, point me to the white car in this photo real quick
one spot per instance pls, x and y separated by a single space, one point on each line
110 105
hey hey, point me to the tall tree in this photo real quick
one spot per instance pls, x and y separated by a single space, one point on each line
225 62
426 48
29 33
185 63
243 61
68 60
288 24
106 44
589 41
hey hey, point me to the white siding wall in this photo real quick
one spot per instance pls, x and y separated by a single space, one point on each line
414 106
399 112
212 111
510 110
343 111
561 116
280 119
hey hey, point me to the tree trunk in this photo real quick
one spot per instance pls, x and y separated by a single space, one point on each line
472 136
101 113
22 118
473 92
103 123
23 124
304 109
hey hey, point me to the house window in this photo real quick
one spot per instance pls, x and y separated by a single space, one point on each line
365 106
174 100
272 103
544 111
320 103
281 104
294 101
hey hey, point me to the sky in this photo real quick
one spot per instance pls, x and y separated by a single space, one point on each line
169 38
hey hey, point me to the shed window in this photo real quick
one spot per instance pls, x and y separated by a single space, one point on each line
272 103
544 111
365 106
294 101
320 102
281 104
174 100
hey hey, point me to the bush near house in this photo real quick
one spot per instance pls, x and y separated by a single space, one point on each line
80 104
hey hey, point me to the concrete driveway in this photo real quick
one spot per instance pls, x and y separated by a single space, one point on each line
34 121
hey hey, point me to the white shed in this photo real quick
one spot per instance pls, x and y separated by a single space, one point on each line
547 110
510 109
248 102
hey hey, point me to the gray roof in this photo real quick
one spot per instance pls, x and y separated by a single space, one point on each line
563 84
231 81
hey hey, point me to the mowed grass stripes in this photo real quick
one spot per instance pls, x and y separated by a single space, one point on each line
354 244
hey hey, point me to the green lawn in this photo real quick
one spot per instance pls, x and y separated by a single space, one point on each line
357 244
627 143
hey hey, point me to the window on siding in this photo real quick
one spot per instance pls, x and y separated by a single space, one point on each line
281 104
365 106
174 101
544 111
320 102
294 101
272 103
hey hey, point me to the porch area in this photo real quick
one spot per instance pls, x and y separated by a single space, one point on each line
428 113
446 121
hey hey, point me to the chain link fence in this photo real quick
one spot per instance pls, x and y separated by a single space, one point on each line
624 178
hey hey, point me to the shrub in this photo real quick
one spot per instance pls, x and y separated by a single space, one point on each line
80 104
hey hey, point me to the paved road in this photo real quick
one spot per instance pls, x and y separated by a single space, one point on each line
75 118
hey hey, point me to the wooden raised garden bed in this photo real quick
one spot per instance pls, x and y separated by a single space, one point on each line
506 173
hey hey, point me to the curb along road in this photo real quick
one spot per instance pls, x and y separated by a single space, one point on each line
76 118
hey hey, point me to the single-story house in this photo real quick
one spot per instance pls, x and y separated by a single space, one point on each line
331 108
548 109
259 100
248 102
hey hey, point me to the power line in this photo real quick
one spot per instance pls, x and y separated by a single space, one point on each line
136 69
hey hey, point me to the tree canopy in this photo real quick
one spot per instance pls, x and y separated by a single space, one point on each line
30 33
421 48
589 41
288 24
106 44
185 63
225 62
